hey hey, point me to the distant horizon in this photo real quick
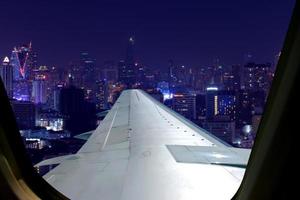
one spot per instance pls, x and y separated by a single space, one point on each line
77 58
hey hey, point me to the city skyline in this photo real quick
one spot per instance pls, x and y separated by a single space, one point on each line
190 34
227 101
224 95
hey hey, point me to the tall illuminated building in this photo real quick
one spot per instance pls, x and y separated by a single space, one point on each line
220 113
184 102
220 105
211 102
6 73
22 63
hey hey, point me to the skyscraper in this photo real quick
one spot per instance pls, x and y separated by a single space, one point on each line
102 95
184 102
6 73
20 60
220 104
80 115
55 96
87 72
127 73
40 85
39 90
211 101
220 113
22 63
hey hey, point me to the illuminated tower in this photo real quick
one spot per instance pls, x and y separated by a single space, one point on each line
21 61
6 73
211 101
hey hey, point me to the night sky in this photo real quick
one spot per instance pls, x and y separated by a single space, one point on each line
192 33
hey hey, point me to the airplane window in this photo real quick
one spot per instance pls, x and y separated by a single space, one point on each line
67 65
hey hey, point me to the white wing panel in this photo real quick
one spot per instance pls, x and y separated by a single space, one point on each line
129 157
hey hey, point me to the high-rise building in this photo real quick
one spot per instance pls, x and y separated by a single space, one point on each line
80 115
256 76
102 95
127 74
41 85
227 104
220 113
56 93
22 61
201 107
6 73
39 90
87 72
25 114
244 108
220 104
184 102
71 100
211 102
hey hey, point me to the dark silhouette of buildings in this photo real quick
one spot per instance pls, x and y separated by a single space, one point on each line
80 115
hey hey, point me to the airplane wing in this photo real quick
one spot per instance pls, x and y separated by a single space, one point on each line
143 150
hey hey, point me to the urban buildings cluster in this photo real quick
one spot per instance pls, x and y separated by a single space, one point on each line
54 104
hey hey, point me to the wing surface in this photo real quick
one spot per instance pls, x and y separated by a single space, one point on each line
144 150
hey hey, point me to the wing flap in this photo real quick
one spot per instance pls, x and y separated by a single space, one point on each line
210 155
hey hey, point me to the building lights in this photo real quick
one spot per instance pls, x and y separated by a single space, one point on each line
211 89
215 105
